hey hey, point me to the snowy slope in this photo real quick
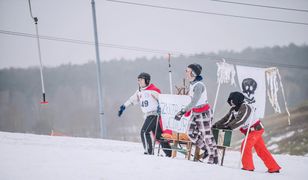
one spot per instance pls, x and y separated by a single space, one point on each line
27 156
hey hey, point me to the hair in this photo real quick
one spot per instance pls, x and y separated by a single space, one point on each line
237 98
146 77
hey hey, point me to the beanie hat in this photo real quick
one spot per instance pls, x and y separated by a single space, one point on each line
196 69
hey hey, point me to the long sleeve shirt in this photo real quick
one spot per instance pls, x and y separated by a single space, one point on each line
198 94
235 119
147 98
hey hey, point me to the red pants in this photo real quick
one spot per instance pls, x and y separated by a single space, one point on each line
255 140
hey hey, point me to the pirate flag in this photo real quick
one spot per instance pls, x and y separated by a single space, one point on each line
252 83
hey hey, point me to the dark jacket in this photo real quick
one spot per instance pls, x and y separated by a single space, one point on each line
234 119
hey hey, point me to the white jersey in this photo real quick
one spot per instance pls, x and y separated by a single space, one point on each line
147 99
203 99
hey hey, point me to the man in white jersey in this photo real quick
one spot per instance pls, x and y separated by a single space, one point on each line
241 116
199 131
147 97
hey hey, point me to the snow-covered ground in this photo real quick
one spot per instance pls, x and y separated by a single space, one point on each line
33 157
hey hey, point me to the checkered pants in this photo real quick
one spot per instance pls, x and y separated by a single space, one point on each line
200 133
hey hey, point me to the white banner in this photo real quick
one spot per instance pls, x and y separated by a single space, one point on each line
252 83
170 105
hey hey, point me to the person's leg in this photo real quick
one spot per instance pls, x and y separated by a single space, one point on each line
266 156
210 114
193 131
145 133
247 160
194 134
209 142
165 144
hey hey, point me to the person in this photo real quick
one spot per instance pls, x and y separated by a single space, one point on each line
241 115
199 131
147 97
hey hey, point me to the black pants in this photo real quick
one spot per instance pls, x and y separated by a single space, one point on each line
149 126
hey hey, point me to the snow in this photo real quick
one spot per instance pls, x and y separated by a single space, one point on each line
279 138
273 147
28 156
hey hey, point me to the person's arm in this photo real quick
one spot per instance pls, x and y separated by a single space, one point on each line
242 116
132 100
198 90
222 122
155 95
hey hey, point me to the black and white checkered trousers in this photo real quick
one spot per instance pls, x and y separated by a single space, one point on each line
200 133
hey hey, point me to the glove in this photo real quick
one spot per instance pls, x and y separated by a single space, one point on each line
122 108
219 126
227 127
158 109
179 115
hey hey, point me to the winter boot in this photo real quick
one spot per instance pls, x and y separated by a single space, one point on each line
216 160
274 171
247 169
205 154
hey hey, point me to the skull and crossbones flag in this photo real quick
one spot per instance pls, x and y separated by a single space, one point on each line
252 83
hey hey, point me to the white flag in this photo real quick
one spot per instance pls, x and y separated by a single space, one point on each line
252 83
225 73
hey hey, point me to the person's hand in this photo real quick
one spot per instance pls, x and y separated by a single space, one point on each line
179 115
122 108
220 126
227 127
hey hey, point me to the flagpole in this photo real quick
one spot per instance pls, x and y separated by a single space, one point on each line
170 73
216 97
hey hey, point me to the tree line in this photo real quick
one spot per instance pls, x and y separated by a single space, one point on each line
71 90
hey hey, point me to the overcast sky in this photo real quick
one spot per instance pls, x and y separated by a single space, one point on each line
145 27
